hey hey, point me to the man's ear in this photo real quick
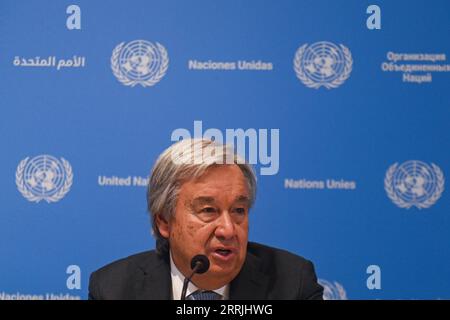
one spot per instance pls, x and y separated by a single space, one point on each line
163 226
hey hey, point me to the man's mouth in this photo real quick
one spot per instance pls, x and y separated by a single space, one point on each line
223 252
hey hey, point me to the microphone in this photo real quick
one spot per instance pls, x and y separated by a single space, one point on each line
199 264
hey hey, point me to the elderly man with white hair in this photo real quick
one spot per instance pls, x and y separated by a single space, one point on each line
199 197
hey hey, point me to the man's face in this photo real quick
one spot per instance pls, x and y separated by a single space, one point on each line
211 218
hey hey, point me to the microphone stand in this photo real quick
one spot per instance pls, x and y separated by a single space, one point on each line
198 264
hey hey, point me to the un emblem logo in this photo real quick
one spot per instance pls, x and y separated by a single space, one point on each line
44 178
332 291
323 64
139 62
414 183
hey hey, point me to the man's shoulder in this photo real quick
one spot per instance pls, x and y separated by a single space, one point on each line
128 263
116 280
288 275
275 260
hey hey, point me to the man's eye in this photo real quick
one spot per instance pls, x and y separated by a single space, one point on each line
208 210
240 210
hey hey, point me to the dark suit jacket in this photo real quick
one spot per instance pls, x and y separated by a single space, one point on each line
267 273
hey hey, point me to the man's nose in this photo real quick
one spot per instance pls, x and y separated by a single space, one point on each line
225 229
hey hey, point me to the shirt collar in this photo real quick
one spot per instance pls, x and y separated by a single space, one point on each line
177 284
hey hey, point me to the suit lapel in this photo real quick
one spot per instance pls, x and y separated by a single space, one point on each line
153 281
251 283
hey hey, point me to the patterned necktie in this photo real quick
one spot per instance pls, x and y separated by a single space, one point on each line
204 295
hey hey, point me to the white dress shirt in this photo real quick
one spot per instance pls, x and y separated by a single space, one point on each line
177 284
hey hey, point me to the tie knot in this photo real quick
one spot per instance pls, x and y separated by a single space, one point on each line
204 295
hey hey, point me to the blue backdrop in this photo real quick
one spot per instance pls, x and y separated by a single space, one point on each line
91 92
